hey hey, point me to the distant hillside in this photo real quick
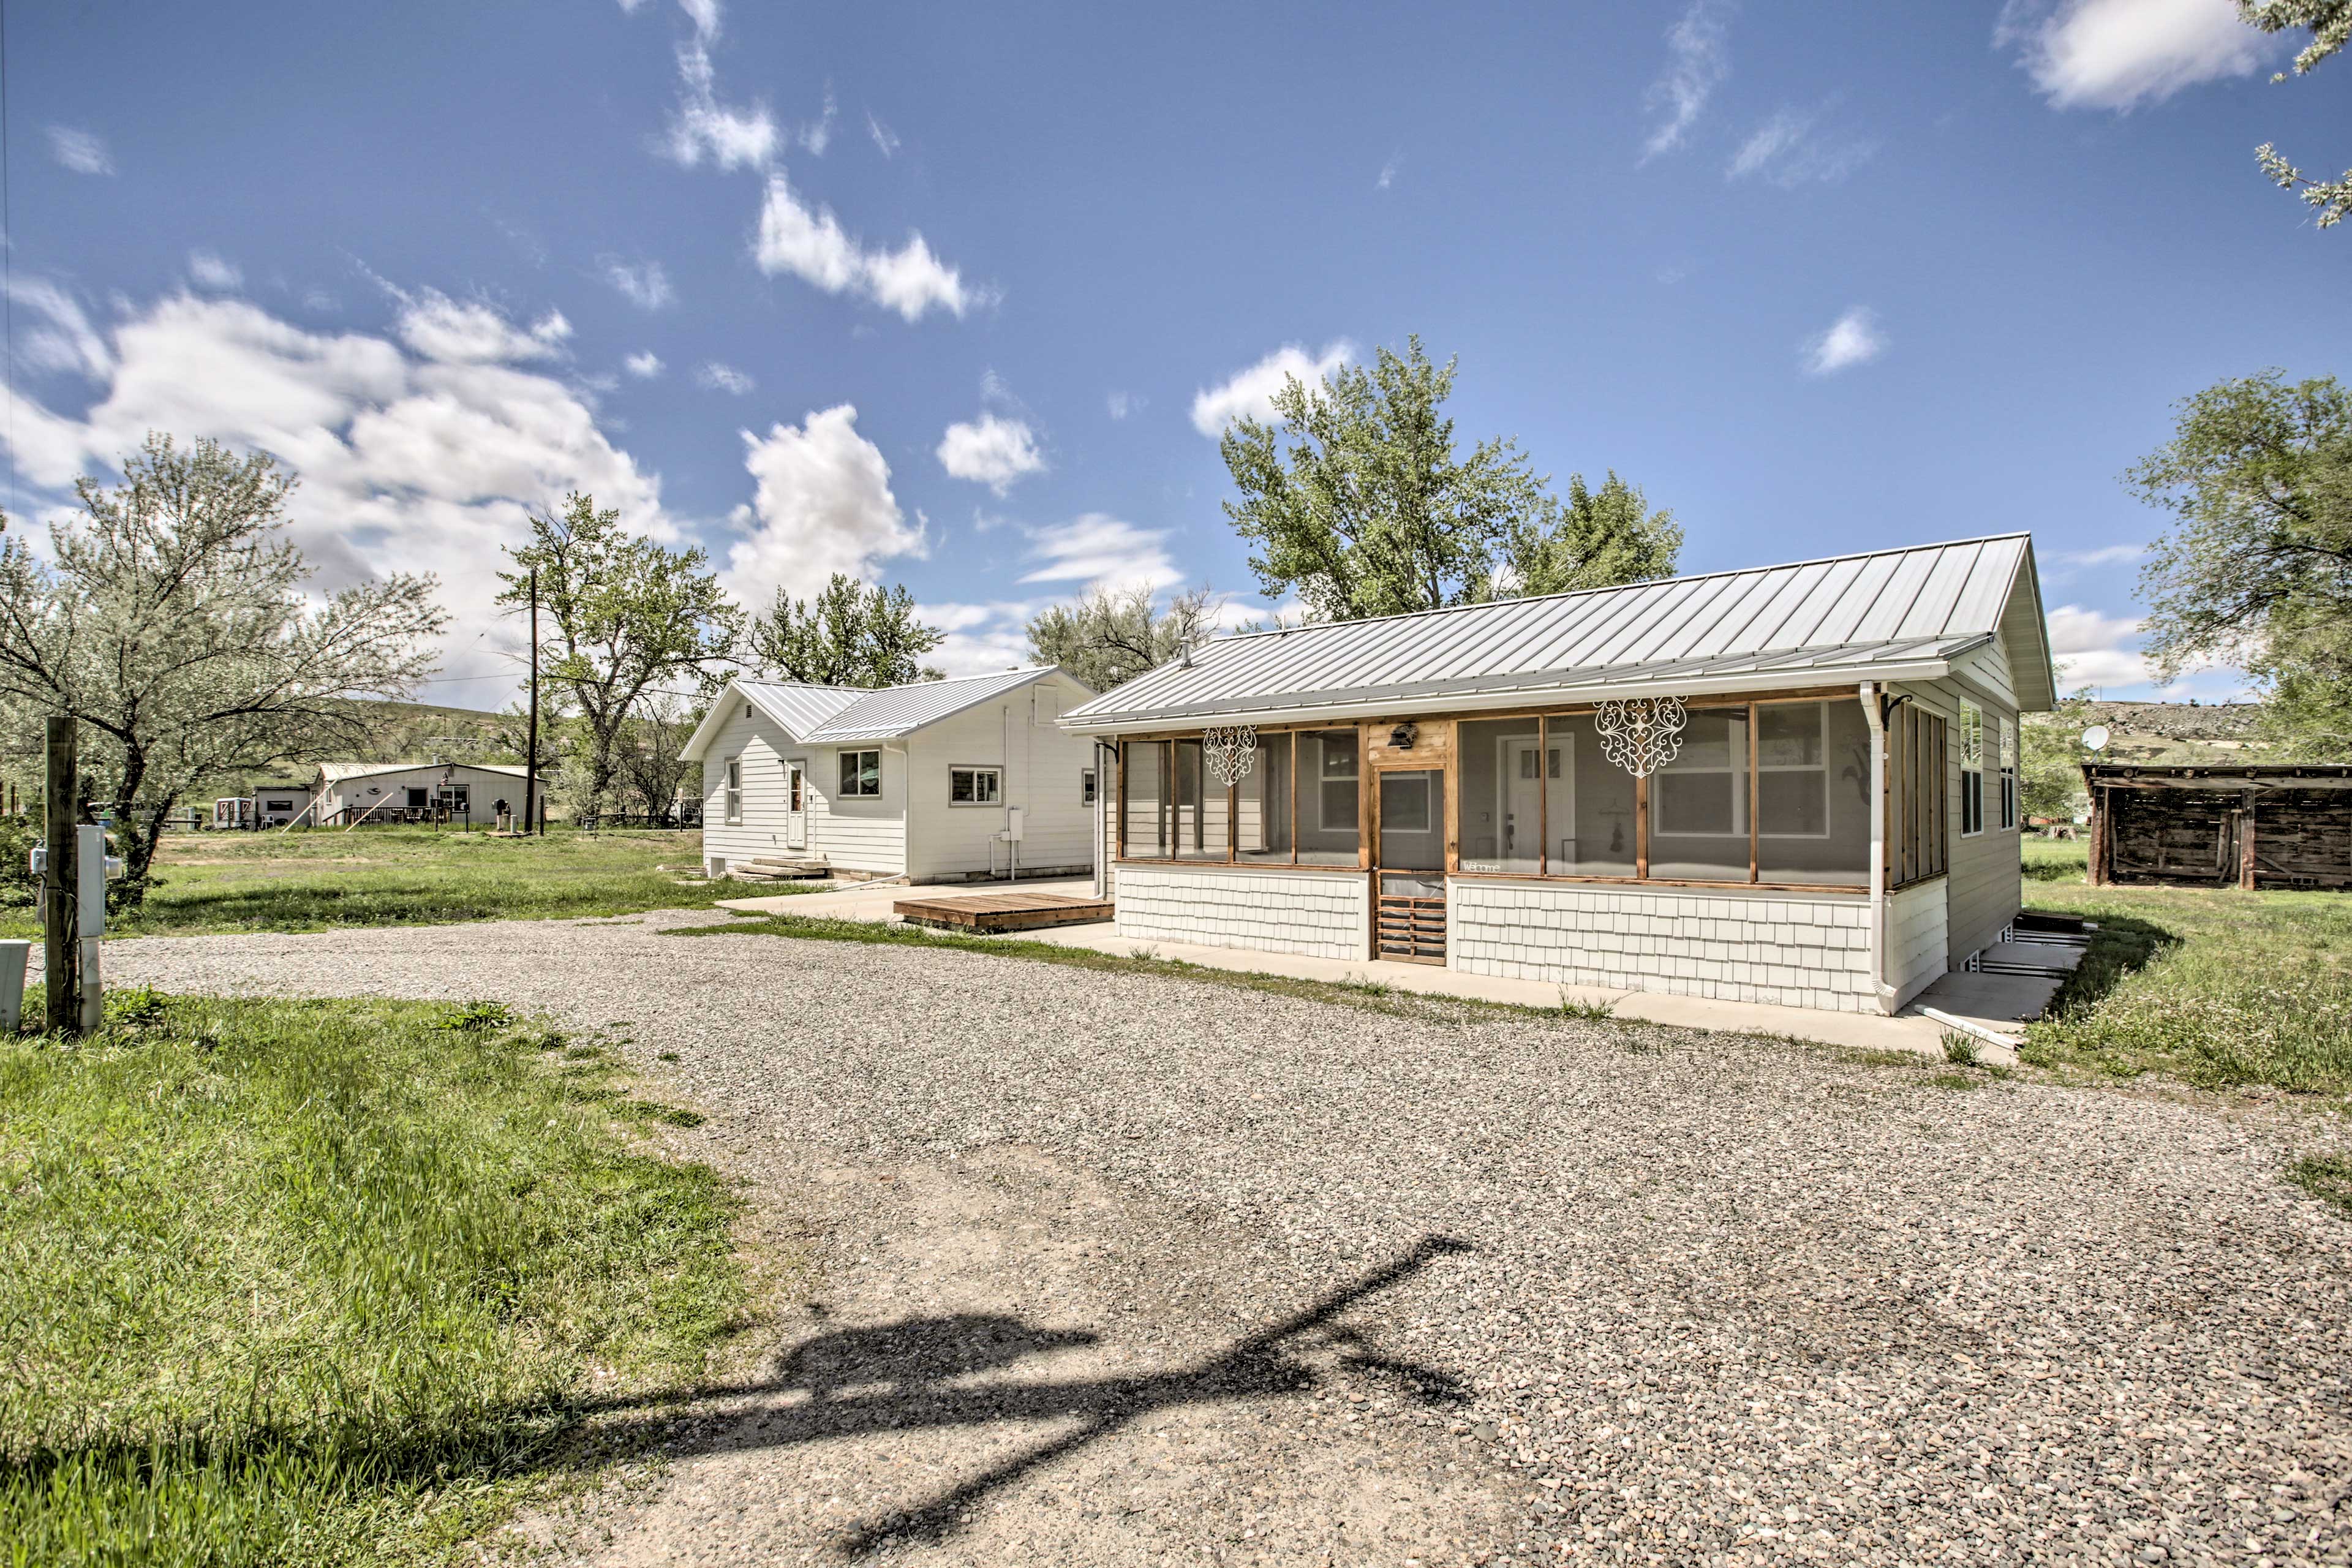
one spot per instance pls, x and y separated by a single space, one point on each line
2174 731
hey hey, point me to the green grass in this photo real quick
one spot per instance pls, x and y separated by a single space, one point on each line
2327 1176
325 880
2220 988
320 1282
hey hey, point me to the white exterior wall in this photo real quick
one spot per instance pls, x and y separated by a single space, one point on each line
1985 887
483 787
1791 950
1318 914
860 835
1916 937
1020 732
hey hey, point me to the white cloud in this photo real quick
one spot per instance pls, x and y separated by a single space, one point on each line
645 366
1854 338
702 127
2095 649
817 135
457 332
1249 393
1122 404
214 272
823 505
991 451
980 639
714 376
1698 60
2105 555
644 285
2113 54
1099 548
1389 172
810 243
704 14
81 151
884 137
64 341
407 462
1790 150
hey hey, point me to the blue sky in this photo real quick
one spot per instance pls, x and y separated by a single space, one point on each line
956 296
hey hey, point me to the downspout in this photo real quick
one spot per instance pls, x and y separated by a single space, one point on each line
1876 719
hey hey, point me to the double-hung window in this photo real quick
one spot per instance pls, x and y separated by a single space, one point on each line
1972 761
2008 794
734 802
1086 786
861 774
975 786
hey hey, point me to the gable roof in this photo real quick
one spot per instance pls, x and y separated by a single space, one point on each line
833 715
1884 615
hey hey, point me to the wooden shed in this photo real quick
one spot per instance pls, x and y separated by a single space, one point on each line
2258 825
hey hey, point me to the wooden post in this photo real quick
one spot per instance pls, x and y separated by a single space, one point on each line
1752 778
1642 826
2099 836
60 976
2246 845
530 757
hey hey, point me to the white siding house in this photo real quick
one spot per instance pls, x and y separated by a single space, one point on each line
346 793
920 781
1794 784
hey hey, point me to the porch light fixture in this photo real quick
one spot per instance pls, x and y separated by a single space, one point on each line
1403 736
1640 734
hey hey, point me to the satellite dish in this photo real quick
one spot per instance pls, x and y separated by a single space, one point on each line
2096 737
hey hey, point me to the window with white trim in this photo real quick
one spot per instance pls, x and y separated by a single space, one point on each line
2007 772
734 803
861 774
1086 786
1973 761
975 786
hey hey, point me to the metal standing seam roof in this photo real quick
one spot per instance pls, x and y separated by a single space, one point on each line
340 773
1917 607
830 715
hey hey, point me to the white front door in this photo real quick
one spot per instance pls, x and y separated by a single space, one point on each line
795 808
1522 804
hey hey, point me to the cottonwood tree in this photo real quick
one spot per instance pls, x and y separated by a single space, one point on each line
2330 22
1113 634
2257 570
849 635
646 755
172 620
1358 499
627 615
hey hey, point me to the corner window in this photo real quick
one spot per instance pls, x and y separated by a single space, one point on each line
2007 773
975 786
861 774
1086 786
734 789
1973 761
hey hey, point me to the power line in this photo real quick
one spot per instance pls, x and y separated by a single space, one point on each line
7 261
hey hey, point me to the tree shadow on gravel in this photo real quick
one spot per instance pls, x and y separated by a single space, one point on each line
901 1376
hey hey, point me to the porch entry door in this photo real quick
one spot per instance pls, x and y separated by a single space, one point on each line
1521 773
1409 915
796 807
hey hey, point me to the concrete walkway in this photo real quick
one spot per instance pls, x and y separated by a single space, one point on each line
1993 1003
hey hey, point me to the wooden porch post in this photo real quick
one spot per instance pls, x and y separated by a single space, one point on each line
2099 827
2246 843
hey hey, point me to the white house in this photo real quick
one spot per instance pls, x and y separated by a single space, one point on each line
1794 784
925 781
346 793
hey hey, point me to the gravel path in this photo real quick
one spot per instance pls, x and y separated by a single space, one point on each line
1703 1299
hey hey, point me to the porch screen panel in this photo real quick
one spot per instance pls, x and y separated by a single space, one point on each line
1327 776
1501 826
1589 813
1813 793
1262 813
1143 795
1699 801
1203 817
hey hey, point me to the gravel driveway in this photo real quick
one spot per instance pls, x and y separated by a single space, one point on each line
1130 1270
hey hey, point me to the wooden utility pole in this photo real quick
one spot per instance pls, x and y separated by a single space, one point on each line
533 819
61 977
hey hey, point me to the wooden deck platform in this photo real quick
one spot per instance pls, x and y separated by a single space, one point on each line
985 913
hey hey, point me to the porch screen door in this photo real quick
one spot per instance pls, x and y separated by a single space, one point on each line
795 808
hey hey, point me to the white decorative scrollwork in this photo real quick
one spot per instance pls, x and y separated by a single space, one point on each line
1640 734
1231 753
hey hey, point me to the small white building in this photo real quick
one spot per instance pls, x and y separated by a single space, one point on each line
1794 784
375 793
939 780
